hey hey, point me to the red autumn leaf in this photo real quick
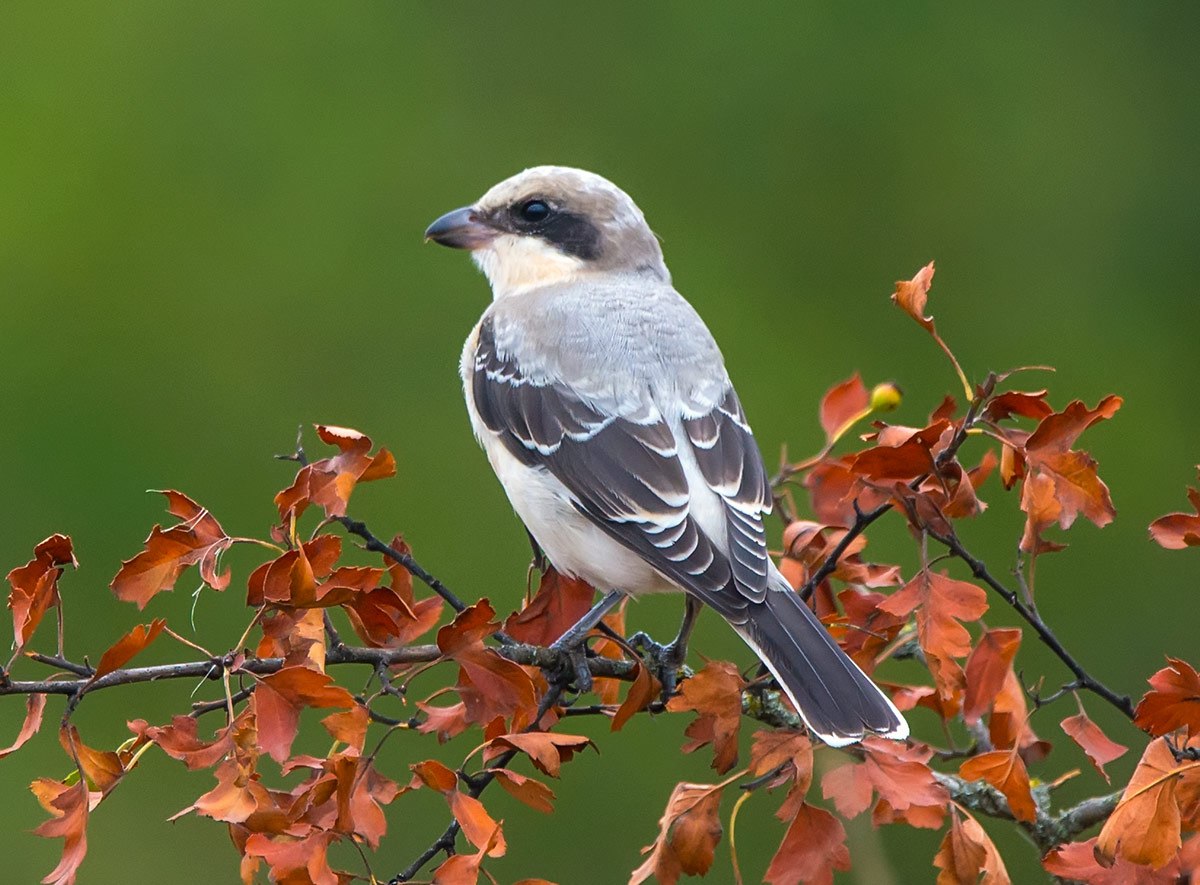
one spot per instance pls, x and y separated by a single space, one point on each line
291 579
102 768
900 774
966 851
124 649
987 667
558 605
1065 480
463 869
35 705
1173 702
297 860
180 740
445 722
941 602
864 632
547 750
349 727
197 540
831 488
642 692
35 585
69 806
1008 725
389 617
1077 862
532 792
328 483
911 295
1094 742
477 825
1004 770
688 833
1031 404
1057 432
842 404
715 693
812 848
279 698
791 749
488 684
235 797
903 453
1178 530
1145 826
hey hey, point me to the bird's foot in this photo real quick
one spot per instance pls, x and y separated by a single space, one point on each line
665 661
573 663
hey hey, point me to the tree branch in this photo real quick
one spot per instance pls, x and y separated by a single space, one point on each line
1083 679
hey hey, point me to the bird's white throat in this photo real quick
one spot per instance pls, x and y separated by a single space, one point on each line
515 264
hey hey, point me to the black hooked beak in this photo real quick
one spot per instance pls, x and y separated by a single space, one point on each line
460 229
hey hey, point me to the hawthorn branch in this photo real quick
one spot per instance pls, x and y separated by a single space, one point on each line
1083 679
518 653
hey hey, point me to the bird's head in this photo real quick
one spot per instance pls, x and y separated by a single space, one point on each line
552 224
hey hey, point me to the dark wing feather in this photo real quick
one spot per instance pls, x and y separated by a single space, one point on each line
625 475
733 468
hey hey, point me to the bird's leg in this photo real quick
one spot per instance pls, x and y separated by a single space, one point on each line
670 657
572 642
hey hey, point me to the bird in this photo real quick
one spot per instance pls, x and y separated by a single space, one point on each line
603 404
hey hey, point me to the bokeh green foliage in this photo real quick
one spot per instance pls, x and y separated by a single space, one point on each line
210 220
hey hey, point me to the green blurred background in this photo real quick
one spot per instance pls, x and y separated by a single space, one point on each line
210 232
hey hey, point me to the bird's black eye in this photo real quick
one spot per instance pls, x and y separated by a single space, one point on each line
533 211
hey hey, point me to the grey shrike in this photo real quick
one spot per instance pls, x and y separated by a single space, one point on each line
603 404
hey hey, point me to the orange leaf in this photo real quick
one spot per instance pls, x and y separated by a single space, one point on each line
198 540
715 693
291 579
1077 861
642 692
812 848
987 668
124 649
478 826
532 792
1174 701
966 851
911 295
328 483
558 605
69 807
297 860
1004 770
1015 402
1092 741
1144 828
547 750
842 404
688 833
771 749
1178 530
942 603
488 684
179 740
35 585
35 705
279 698
463 869
446 722
900 774
349 727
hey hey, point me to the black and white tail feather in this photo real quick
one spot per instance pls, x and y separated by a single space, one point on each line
836 700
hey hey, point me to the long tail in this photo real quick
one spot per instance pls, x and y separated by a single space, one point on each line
836 700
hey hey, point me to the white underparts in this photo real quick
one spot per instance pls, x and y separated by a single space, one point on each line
513 264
